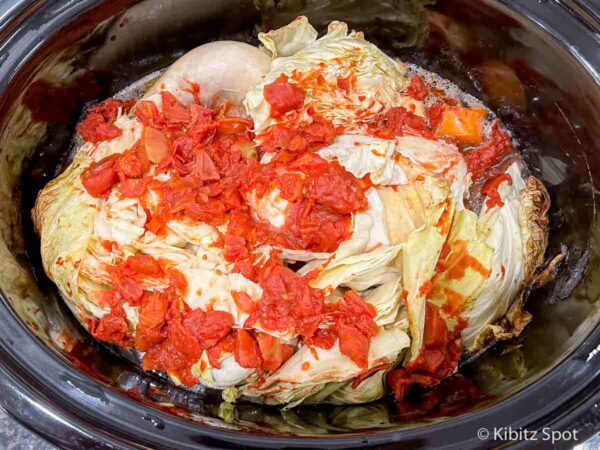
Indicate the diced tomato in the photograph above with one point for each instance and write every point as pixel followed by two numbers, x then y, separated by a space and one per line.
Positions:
pixel 99 178
pixel 324 338
pixel 271 351
pixel 233 125
pixel 398 121
pixel 177 280
pixel 338 190
pixel 134 187
pixel 112 327
pixel 98 124
pixel 205 168
pixel 354 345
pixel 434 114
pixel 151 318
pixel 279 137
pixel 244 302
pixel 435 334
pixel 142 265
pixel 208 327
pixel 283 96
pixel 417 88
pixel 147 113
pixel 155 143
pixel 247 352
pixel 152 311
pixel 319 133
pixel 465 125
pixel 224 346
pixel 482 158
pixel 174 113
pixel 130 165
pixel 288 302
pixel 490 189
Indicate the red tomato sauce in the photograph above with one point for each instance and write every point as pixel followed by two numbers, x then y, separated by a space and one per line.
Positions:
pixel 490 189
pixel 438 357
pixel 98 125
pixel 211 175
pixel 417 88
pixel 480 159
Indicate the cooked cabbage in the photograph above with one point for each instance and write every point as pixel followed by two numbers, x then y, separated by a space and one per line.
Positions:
pixel 413 241
pixel 308 372
pixel 380 80
pixel 519 237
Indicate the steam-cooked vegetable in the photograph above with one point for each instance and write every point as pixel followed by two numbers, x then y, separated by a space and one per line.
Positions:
pixel 518 235
pixel 294 224
pixel 310 371
pixel 372 79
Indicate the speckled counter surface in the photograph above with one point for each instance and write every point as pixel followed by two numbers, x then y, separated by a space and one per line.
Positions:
pixel 16 437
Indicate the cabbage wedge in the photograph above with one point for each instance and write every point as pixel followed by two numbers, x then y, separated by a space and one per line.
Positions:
pixel 311 370
pixel 380 80
pixel 519 237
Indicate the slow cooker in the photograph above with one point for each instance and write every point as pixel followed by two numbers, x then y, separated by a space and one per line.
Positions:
pixel 56 57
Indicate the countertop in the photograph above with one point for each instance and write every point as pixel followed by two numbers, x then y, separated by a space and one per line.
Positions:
pixel 16 437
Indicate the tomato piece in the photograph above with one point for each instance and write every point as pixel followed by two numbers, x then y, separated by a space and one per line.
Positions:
pixel 151 318
pixel 205 168
pixel 233 125
pixel 434 114
pixel 234 248
pixel 244 302
pixel 112 327
pixel 287 351
pixel 185 342
pixel 490 189
pixel 130 165
pixel 398 121
pixel 324 338
pixel 147 113
pixel 98 125
pixel 271 351
pixel 208 327
pixel 291 186
pixel 143 265
pixel 465 125
pixel 338 190
pixel 95 129
pixel 279 137
pixel 482 158
pixel 155 143
pixel 99 178
pixel 417 88
pixel 174 113
pixel 134 187
pixel 319 133
pixel 224 346
pixel 283 96
pixel 354 345
pixel 152 311
pixel 177 280
pixel 435 334
pixel 247 352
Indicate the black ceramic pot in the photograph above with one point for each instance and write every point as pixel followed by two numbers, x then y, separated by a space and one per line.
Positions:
pixel 56 56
